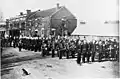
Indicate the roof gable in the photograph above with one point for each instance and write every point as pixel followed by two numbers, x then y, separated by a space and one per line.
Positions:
pixel 63 12
pixel 45 13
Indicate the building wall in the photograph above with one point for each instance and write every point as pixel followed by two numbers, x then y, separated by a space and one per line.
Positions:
pixel 45 23
pixel 41 24
pixel 56 22
pixel 70 26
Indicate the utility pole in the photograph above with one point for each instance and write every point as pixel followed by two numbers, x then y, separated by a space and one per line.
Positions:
pixel 118 5
pixel 0 44
pixel 1 16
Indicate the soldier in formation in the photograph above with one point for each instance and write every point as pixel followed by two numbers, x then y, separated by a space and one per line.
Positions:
pixel 67 47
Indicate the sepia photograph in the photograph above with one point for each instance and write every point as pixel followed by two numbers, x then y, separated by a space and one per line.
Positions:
pixel 59 39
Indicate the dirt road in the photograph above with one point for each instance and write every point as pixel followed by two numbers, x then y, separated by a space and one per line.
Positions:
pixel 14 61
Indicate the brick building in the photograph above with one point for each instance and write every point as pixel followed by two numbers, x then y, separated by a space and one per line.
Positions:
pixel 56 20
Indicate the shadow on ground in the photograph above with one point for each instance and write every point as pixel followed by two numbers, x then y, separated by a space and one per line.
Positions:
pixel 6 71
pixel 7 55
pixel 20 59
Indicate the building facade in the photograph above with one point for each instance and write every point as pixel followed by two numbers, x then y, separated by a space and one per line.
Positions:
pixel 55 21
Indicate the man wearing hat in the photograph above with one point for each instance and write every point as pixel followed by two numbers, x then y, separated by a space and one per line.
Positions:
pixel 93 49
pixel 114 51
pixel 53 47
pixel 100 51
pixel 67 49
pixel 84 48
pixel 79 52
pixel 89 51
pixel 60 49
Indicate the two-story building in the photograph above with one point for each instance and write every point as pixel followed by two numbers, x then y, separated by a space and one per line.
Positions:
pixel 58 20
pixel 16 24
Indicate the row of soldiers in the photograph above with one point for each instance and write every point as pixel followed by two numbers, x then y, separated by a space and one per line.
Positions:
pixel 46 45
pixel 37 44
pixel 84 50
pixel 102 49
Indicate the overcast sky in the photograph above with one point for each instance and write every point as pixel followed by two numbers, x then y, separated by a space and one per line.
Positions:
pixel 87 10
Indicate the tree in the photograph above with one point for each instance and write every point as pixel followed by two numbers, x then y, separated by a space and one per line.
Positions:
pixel 1 15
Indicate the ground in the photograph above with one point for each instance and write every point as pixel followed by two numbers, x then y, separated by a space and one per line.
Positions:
pixel 14 61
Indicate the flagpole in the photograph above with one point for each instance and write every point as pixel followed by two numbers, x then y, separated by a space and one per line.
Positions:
pixel 118 18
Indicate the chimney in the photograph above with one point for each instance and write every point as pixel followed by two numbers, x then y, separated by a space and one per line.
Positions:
pixel 21 13
pixel 39 10
pixel 28 11
pixel 58 5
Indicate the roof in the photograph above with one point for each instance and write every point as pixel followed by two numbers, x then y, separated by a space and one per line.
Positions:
pixel 97 29
pixel 43 13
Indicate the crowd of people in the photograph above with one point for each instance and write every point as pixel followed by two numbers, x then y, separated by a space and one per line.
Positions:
pixel 84 50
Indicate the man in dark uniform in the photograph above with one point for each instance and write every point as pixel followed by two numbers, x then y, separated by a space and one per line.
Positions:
pixel 10 40
pixel 79 52
pixel 107 50
pixel 40 44
pixel 36 45
pixel 44 48
pixel 67 49
pixel 1 44
pixel 84 50
pixel 53 47
pixel 100 51
pixel 29 41
pixel 17 41
pixel 60 49
pixel 57 46
pixel 25 43
pixel 89 51
pixel 117 56
pixel 114 51
pixel 93 50
pixel 103 48
pixel 32 44
pixel 49 47
pixel 72 48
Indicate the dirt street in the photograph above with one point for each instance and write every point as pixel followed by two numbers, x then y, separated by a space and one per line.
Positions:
pixel 14 61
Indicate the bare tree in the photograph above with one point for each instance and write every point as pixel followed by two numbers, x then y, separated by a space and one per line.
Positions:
pixel 1 15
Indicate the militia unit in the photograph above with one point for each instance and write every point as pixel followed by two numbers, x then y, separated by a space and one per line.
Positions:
pixel 85 51
pixel 49 31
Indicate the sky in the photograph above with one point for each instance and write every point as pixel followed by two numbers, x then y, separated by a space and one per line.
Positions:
pixel 93 12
